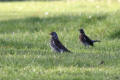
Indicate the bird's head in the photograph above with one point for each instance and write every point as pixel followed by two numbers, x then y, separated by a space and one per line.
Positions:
pixel 81 31
pixel 54 35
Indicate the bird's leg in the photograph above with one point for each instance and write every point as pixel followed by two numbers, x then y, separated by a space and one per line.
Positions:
pixel 86 46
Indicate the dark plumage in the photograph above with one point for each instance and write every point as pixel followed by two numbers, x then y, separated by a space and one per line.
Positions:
pixel 102 62
pixel 85 39
pixel 56 45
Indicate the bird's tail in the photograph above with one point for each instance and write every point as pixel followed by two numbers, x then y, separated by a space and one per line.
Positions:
pixel 96 41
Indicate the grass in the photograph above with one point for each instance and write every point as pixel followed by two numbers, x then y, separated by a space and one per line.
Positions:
pixel 24 40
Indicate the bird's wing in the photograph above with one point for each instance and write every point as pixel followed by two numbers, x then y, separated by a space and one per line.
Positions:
pixel 60 45
pixel 54 45
pixel 87 39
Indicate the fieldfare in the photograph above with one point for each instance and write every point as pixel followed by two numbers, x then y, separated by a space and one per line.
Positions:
pixel 56 45
pixel 85 39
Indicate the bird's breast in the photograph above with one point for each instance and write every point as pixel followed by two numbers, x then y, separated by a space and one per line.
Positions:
pixel 81 37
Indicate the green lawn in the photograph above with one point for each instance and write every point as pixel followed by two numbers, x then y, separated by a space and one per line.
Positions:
pixel 25 53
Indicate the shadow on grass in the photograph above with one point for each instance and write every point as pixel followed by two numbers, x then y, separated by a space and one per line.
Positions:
pixel 34 24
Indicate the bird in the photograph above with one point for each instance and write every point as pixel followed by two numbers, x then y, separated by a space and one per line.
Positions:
pixel 102 62
pixel 56 45
pixel 85 39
